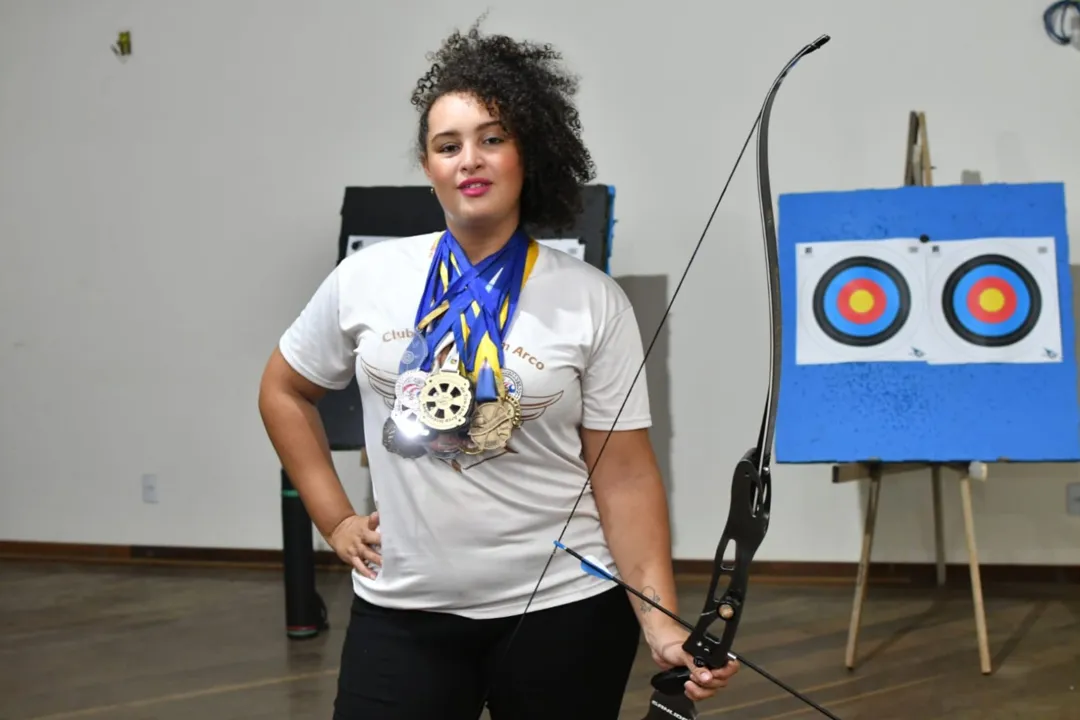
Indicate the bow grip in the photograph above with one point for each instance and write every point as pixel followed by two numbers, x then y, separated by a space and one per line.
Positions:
pixel 673 681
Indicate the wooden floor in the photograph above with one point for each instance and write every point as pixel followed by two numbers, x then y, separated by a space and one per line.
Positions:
pixel 207 644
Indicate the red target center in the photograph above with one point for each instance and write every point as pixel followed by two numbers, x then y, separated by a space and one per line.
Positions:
pixel 991 300
pixel 861 301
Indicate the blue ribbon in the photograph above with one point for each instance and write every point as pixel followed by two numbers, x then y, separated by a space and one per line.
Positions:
pixel 491 282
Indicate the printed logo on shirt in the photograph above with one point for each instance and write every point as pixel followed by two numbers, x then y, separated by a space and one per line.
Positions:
pixel 400 334
pixel 527 357
pixel 519 351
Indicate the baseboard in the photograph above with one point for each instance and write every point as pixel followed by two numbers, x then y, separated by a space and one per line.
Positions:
pixel 155 555
pixel 914 574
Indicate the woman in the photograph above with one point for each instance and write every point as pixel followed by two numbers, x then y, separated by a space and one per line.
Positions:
pixel 492 368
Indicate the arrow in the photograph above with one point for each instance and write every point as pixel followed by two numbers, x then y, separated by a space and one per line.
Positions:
pixel 594 567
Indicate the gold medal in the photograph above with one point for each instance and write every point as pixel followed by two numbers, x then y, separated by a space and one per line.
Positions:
pixel 492 425
pixel 445 401
pixel 514 409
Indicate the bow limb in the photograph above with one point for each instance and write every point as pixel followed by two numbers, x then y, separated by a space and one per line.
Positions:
pixel 772 259
pixel 748 515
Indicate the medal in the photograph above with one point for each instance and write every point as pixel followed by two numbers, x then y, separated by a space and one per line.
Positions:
pixel 408 423
pixel 445 446
pixel 469 447
pixel 470 404
pixel 407 388
pixel 514 404
pixel 445 401
pixel 414 354
pixel 388 431
pixel 512 383
pixel 404 434
pixel 401 443
pixel 491 425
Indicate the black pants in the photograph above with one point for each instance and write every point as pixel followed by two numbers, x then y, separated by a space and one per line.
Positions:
pixel 565 663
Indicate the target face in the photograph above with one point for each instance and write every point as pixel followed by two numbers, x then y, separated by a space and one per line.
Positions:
pixel 992 301
pixel 862 301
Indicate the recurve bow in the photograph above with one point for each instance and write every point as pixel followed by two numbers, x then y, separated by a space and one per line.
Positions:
pixel 751 482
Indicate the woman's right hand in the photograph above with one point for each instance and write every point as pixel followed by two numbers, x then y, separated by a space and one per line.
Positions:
pixel 356 540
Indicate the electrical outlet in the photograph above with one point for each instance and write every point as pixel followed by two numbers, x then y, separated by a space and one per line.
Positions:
pixel 1072 498
pixel 149 488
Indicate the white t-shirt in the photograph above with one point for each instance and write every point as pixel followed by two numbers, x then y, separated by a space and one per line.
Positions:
pixel 471 536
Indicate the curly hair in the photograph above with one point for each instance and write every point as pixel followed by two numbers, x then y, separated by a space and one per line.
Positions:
pixel 522 85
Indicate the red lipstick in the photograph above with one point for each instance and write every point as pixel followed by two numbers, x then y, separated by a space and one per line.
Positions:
pixel 474 186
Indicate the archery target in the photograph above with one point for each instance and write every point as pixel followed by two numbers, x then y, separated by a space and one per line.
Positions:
pixel 995 300
pixel 860 301
pixel 991 300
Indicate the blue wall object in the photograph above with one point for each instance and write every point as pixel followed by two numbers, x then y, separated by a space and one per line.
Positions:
pixel 910 409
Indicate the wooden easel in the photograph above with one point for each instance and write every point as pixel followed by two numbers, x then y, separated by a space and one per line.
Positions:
pixel 917 168
pixel 875 472
pixel 917 171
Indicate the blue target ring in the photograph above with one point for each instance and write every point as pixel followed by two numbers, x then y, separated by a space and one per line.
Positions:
pixel 991 301
pixel 862 301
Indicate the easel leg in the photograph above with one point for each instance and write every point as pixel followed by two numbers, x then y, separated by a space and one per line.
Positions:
pixel 976 581
pixel 939 524
pixel 864 565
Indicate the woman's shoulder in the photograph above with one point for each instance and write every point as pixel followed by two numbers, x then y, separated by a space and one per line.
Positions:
pixel 377 254
pixel 576 280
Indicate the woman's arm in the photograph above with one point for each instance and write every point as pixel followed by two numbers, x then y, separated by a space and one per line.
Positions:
pixel 633 510
pixel 317 353
pixel 629 490
pixel 287 404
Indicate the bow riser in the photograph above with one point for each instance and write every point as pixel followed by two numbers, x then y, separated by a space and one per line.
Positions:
pixel 747 524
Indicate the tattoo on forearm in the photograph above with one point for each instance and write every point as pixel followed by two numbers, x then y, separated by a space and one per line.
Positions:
pixel 650 593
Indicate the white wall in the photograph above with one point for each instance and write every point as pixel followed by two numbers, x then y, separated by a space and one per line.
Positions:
pixel 163 219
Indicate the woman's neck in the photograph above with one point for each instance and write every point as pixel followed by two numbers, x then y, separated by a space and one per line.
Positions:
pixel 479 242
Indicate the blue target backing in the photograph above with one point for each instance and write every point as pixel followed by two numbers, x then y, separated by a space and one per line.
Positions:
pixel 922 411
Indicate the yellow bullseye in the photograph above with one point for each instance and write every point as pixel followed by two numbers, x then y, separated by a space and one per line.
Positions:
pixel 861 301
pixel 991 300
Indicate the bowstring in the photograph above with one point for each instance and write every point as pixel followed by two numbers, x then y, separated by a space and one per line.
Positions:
pixel 629 392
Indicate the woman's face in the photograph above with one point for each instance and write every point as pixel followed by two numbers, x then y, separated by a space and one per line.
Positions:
pixel 473 164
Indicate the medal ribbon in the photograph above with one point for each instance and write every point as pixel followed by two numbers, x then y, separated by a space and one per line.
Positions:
pixel 476 303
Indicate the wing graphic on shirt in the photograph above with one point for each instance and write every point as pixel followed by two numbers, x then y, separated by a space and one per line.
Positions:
pixel 533 407
pixel 382 382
